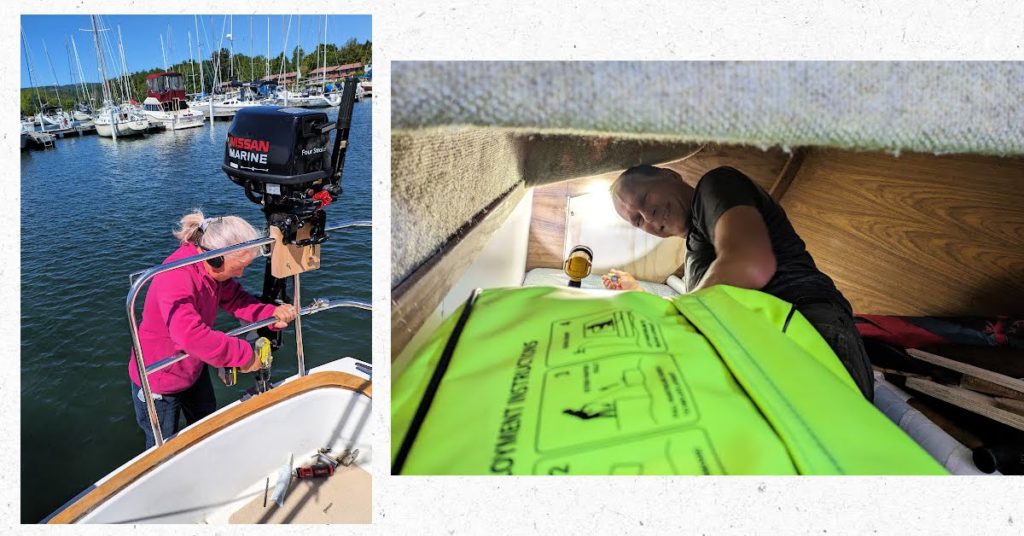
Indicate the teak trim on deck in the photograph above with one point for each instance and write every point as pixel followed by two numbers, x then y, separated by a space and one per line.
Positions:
pixel 194 434
pixel 415 298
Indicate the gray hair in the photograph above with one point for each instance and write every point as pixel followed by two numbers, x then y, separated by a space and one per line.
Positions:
pixel 215 233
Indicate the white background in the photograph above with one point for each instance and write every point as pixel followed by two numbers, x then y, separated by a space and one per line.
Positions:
pixel 595 30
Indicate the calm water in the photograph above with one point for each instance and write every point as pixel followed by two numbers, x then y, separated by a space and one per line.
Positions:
pixel 93 211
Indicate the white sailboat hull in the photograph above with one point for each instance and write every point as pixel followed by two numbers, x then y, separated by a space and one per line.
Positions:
pixel 304 102
pixel 176 121
pixel 127 128
pixel 215 469
pixel 230 109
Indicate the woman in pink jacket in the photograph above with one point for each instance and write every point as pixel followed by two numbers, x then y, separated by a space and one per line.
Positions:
pixel 180 310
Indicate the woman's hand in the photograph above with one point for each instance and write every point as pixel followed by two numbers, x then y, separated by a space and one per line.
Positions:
pixel 284 314
pixel 253 366
pixel 619 280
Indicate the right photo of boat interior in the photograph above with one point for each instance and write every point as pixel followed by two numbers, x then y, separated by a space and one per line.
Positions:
pixel 724 268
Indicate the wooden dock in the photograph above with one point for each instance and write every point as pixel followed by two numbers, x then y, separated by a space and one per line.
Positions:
pixel 40 140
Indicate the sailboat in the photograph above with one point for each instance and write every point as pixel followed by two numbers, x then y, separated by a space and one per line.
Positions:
pixel 113 121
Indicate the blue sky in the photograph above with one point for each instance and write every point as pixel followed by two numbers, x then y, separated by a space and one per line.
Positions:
pixel 141 37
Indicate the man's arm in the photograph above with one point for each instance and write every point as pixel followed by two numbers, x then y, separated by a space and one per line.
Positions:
pixel 743 251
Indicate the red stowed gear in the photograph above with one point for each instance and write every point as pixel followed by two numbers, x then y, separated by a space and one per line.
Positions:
pixel 324 198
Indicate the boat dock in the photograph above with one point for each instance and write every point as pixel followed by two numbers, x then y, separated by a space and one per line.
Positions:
pixel 43 140
pixel 39 140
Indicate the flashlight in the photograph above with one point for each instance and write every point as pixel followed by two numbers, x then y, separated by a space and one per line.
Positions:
pixel 577 265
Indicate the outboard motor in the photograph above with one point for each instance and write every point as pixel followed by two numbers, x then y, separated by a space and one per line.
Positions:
pixel 285 160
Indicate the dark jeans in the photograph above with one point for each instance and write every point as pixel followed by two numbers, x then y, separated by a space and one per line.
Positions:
pixel 194 403
pixel 836 326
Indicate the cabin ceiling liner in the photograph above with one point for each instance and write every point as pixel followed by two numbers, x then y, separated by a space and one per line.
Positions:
pixel 933 107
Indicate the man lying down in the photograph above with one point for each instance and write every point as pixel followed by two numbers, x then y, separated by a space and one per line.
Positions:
pixel 736 234
pixel 725 379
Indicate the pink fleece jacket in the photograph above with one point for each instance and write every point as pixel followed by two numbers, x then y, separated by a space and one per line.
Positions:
pixel 181 307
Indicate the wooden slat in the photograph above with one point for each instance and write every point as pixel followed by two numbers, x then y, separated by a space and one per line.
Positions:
pixel 1010 404
pixel 971 401
pixel 192 435
pixel 964 368
pixel 915 235
pixel 982 386
pixel 415 298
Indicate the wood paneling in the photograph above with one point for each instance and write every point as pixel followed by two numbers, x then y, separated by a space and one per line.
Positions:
pixel 547 228
pixel 915 235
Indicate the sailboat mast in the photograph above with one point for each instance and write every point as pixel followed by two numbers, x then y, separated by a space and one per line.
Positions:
pixel 323 73
pixel 31 70
pixel 124 67
pixel 199 43
pixel 71 69
pixel 231 52
pixel 298 54
pixel 268 48
pixel 103 77
pixel 100 63
pixel 192 62
pixel 162 51
pixel 56 87
pixel 81 75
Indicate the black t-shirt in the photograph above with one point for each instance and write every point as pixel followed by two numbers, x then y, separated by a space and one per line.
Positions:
pixel 796 280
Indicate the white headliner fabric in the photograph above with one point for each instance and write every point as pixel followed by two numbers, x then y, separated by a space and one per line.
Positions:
pixel 938 107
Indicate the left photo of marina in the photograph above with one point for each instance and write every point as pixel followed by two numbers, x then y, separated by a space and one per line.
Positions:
pixel 196 268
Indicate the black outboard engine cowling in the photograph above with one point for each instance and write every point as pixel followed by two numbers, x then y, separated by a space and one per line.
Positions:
pixel 282 157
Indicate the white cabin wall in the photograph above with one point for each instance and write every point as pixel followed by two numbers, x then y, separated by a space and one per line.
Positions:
pixel 501 263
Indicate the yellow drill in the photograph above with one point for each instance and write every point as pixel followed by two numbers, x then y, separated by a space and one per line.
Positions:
pixel 229 375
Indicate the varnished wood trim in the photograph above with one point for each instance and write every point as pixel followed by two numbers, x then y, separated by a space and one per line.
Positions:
pixel 416 297
pixel 788 173
pixel 195 434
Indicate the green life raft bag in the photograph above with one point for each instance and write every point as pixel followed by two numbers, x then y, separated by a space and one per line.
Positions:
pixel 550 381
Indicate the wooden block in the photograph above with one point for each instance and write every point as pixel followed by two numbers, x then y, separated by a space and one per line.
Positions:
pixel 1010 404
pixel 968 400
pixel 989 388
pixel 971 370
pixel 288 260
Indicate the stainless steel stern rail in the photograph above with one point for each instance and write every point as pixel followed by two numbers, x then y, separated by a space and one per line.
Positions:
pixel 146 276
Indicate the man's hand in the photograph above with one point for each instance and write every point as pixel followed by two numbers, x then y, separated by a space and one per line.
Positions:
pixel 284 313
pixel 619 280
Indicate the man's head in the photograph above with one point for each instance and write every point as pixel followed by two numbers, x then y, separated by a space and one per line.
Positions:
pixel 654 200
